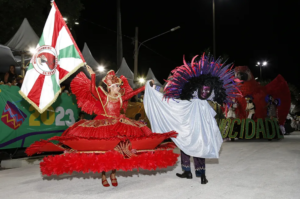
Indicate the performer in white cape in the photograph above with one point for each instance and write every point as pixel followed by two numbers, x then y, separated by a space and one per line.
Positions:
pixel 183 107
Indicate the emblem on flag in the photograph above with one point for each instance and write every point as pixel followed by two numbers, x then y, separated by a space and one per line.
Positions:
pixel 45 60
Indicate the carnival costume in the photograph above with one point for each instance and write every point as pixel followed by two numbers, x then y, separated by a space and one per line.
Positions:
pixel 231 109
pixel 250 108
pixel 110 141
pixel 272 105
pixel 187 111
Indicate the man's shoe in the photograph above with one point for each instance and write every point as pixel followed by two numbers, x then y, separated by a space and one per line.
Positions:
pixel 203 179
pixel 185 174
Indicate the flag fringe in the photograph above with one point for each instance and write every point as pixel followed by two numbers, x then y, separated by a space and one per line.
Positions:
pixel 35 106
pixel 71 72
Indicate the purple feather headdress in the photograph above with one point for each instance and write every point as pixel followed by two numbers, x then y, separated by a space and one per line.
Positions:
pixel 182 83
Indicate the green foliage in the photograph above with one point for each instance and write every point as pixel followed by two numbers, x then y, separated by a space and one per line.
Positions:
pixel 13 12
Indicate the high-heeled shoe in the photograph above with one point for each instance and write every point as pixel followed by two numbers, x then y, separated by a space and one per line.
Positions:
pixel 203 179
pixel 105 184
pixel 114 181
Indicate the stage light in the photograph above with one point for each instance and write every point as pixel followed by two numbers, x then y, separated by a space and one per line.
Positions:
pixel 101 68
pixel 142 80
pixel 32 50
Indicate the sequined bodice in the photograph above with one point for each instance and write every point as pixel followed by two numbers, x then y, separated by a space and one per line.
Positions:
pixel 113 107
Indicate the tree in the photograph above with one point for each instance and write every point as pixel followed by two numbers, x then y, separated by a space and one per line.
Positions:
pixel 13 12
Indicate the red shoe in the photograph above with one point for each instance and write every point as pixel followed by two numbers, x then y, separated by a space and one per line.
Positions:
pixel 114 181
pixel 105 183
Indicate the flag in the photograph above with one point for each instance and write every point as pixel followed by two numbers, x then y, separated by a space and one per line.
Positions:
pixel 56 58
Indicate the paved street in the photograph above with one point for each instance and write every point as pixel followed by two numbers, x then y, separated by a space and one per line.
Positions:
pixel 246 169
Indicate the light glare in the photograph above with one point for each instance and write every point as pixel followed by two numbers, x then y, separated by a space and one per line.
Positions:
pixel 100 68
pixel 32 50
pixel 141 80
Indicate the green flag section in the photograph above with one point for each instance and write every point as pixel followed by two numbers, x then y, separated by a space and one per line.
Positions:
pixel 249 129
pixel 21 124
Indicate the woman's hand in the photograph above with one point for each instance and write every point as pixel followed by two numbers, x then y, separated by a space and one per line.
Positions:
pixel 90 70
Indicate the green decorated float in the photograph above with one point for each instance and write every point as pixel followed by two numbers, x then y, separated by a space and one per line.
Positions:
pixel 21 124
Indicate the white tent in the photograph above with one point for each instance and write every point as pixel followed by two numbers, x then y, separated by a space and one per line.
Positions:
pixel 7 59
pixel 90 60
pixel 125 71
pixel 24 39
pixel 166 79
pixel 150 75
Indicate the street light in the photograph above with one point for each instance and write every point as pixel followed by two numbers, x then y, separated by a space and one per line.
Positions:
pixel 172 30
pixel 264 63
pixel 137 48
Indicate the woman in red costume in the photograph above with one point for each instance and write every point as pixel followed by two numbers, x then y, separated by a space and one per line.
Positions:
pixel 111 97
pixel 109 125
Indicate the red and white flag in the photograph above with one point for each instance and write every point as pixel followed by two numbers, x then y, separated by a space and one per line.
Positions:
pixel 57 57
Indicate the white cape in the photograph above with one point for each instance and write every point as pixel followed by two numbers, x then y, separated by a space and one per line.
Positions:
pixel 198 132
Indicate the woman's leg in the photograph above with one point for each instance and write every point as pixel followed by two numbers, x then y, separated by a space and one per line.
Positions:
pixel 113 178
pixel 104 181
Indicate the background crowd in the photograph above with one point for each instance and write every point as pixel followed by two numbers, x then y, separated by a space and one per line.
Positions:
pixel 11 77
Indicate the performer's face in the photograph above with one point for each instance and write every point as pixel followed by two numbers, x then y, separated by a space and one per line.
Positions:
pixel 205 92
pixel 115 88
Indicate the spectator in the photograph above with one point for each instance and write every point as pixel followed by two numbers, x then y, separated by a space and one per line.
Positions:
pixel 11 75
pixel 20 81
pixel 141 98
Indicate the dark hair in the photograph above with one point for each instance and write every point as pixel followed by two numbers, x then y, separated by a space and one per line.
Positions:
pixel 104 86
pixel 81 113
pixel 137 116
pixel 204 80
pixel 14 68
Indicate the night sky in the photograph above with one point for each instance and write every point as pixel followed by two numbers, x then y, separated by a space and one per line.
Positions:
pixel 246 31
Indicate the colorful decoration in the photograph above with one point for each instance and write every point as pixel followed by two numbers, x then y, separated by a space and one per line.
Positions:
pixel 12 116
pixel 208 72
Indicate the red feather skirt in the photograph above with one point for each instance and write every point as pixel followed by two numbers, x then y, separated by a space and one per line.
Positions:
pixel 106 143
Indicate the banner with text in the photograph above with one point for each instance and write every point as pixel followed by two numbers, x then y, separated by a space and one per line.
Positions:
pixel 21 124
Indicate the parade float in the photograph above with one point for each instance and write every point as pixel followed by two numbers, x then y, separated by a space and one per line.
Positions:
pixel 260 112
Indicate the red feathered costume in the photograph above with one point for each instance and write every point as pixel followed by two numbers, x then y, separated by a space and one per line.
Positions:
pixel 278 88
pixel 111 140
